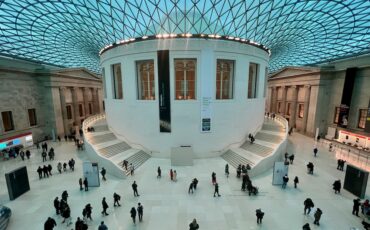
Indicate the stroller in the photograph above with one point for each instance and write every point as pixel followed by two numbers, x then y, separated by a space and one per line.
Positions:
pixel 252 189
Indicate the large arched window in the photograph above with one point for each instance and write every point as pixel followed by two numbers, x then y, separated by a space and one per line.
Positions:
pixel 185 79
pixel 224 79
pixel 145 80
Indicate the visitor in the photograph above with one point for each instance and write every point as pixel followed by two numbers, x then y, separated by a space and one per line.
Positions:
pixel 140 211
pixel 337 186
pixel 59 167
pixel 80 183
pixel 22 155
pixel 43 154
pixel 88 210
pixel 132 169
pixel 195 181
pixel 317 216
pixel 133 214
pixel 28 154
pixel 159 172
pixel 50 224
pixel 356 206
pixel 227 170
pixel 134 187
pixel 57 205
pixel 191 187
pixel 102 226
pixel 213 176
pixel 306 227
pixel 285 181
pixel 216 190
pixel 308 204
pixel 259 215
pixel 296 181
pixel 39 171
pixel 291 159
pixel 174 175
pixel 315 150
pixel 86 184
pixel 171 174
pixel 103 172
pixel 105 207
pixel 116 199
pixel 194 225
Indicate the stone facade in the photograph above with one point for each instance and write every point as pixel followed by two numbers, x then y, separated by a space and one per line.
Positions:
pixel 26 85
pixel 313 93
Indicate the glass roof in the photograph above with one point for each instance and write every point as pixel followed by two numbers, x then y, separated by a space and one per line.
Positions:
pixel 71 33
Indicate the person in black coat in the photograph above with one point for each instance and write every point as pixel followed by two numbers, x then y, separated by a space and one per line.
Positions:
pixel 103 172
pixel 22 155
pixel 105 207
pixel 216 190
pixel 39 171
pixel 337 186
pixel 140 211
pixel 308 204
pixel 195 183
pixel 49 169
pixel 259 215
pixel 88 210
pixel 46 171
pixel 28 154
pixel 134 187
pixel 50 224
pixel 159 172
pixel 194 225
pixel 86 184
pixel 57 205
pixel 133 214
pixel 43 154
pixel 356 206
pixel 285 181
pixel 296 181
pixel 116 199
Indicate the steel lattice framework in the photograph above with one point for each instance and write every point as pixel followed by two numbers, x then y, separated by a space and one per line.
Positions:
pixel 71 32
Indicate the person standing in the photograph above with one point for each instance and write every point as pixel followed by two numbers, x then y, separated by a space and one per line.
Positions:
pixel 134 187
pixel 28 154
pixel 227 170
pixel 315 150
pixel 306 227
pixel 45 171
pixel 43 154
pixel 116 199
pixel 39 171
pixel 216 190
pixel 308 204
pixel 50 224
pixel 193 225
pixel 57 205
pixel 66 214
pixel 102 226
pixel 174 175
pixel 171 174
pixel 259 215
pixel 317 216
pixel 59 167
pixel 132 169
pixel 195 183
pixel 105 207
pixel 191 186
pixel 337 186
pixel 285 181
pixel 80 183
pixel 159 172
pixel 356 206
pixel 291 159
pixel 86 184
pixel 296 181
pixel 140 211
pixel 133 214
pixel 286 156
pixel 22 155
pixel 49 169
pixel 79 224
pixel 103 172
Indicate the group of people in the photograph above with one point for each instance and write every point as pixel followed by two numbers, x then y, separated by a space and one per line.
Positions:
pixel 71 164
pixel 22 154
pixel 193 185
pixel 340 165
pixel 45 170
pixel 241 169
pixel 288 157
pixel 44 155
pixel 127 167
pixel 173 175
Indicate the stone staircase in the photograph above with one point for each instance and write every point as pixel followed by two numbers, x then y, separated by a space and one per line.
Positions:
pixel 109 147
pixel 270 135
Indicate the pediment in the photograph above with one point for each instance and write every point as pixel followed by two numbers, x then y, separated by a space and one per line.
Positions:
pixel 294 71
pixel 80 73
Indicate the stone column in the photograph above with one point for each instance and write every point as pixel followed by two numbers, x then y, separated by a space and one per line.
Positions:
pixel 76 113
pixel 307 94
pixel 86 100
pixel 96 107
pixel 293 114
pixel 62 91
pixel 283 100
pixel 274 99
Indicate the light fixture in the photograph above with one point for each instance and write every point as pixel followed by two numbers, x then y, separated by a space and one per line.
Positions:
pixel 144 37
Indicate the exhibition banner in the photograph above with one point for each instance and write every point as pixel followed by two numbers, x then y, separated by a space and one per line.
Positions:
pixel 163 63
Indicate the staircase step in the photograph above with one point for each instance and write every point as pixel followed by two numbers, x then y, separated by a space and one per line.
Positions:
pixel 258 149
pixel 235 159
pixel 270 127
pixel 102 138
pixel 112 150
pixel 268 137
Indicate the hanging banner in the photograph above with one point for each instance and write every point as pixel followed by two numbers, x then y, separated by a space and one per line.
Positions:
pixel 163 63
pixel 208 75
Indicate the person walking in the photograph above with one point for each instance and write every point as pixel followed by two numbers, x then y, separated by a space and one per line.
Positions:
pixel 159 172
pixel 216 190
pixel 133 214
pixel 57 205
pixel 195 183
pixel 140 211
pixel 49 169
pixel 132 169
pixel 171 174
pixel 103 172
pixel 86 184
pixel 308 204
pixel 80 183
pixel 227 170
pixel 317 216
pixel 134 187
pixel 22 155
pixel 337 186
pixel 291 159
pixel 105 207
pixel 193 225
pixel 356 206
pixel 66 214
pixel 315 150
pixel 45 170
pixel 296 181
pixel 259 215
pixel 88 210
pixel 116 199
pixel 102 226
pixel 79 224
pixel 191 187
pixel 285 181
pixel 213 176
pixel 306 227
pixel 286 156
pixel 50 224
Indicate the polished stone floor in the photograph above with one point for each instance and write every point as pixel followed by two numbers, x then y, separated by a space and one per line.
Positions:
pixel 167 205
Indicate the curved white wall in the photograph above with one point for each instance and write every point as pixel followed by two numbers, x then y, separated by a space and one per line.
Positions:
pixel 138 121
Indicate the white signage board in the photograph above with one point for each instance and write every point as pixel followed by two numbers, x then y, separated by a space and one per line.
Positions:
pixel 91 172
pixel 280 169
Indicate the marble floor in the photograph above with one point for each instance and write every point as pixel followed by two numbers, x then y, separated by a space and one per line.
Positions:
pixel 167 205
